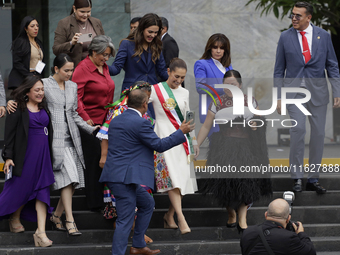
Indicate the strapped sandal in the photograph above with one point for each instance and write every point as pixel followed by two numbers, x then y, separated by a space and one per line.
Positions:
pixel 76 232
pixel 57 225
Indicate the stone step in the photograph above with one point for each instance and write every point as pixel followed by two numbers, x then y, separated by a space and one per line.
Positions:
pixel 198 200
pixel 157 234
pixel 279 183
pixel 201 217
pixel 325 245
pixel 284 182
pixel 305 198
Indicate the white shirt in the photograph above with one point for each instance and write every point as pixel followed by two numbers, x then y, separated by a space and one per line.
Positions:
pixel 163 35
pixel 219 65
pixel 139 113
pixel 309 36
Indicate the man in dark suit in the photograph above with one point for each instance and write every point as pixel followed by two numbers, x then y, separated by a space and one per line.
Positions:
pixel 129 164
pixel 170 48
pixel 303 54
pixel 279 239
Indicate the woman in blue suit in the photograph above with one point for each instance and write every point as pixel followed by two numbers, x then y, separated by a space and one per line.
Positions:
pixel 210 69
pixel 140 54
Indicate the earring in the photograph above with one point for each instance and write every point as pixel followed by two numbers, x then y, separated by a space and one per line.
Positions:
pixel 56 72
pixel 26 98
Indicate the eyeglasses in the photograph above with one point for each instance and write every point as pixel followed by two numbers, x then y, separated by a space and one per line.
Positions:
pixel 297 16
pixel 106 55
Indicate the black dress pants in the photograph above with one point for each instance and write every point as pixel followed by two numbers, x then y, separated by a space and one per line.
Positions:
pixel 92 153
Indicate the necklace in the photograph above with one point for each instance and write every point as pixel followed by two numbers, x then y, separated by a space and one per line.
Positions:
pixel 81 25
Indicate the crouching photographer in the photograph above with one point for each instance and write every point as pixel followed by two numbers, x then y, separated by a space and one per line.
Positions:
pixel 272 237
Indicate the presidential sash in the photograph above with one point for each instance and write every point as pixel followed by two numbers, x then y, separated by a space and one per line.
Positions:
pixel 171 109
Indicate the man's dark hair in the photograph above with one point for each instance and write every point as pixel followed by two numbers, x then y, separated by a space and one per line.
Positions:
pixel 165 22
pixel 134 20
pixel 137 98
pixel 308 6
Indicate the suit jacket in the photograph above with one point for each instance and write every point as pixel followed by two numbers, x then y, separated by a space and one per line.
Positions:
pixel 206 71
pixel 21 62
pixel 66 29
pixel 290 66
pixel 131 150
pixel 137 69
pixel 16 136
pixel 170 49
pixel 280 240
pixel 54 100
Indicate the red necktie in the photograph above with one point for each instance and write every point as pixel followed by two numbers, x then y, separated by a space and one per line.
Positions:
pixel 305 47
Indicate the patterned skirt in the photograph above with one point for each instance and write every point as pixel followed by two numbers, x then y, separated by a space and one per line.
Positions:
pixel 72 171
pixel 163 181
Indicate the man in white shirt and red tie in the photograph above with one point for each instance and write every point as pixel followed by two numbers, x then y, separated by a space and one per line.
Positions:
pixel 303 54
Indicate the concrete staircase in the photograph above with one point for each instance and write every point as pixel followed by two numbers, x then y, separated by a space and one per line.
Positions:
pixel 320 215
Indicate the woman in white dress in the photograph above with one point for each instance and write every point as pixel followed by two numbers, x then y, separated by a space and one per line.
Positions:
pixel 174 168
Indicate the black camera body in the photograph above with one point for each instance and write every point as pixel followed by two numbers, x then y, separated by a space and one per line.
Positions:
pixel 290 225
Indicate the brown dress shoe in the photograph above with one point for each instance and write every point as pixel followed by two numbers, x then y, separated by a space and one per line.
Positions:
pixel 143 251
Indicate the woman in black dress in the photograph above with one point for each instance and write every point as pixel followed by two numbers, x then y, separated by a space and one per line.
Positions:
pixel 237 146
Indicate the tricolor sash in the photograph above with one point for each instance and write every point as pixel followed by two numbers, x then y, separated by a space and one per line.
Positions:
pixel 171 109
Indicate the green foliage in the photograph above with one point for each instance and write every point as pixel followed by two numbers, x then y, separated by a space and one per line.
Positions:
pixel 326 12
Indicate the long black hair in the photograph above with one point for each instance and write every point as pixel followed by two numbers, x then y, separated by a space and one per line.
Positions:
pixel 21 44
pixel 19 94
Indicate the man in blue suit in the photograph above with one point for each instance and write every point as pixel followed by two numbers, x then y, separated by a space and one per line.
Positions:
pixel 129 164
pixel 303 54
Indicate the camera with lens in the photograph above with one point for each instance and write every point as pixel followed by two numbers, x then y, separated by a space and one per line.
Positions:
pixel 289 196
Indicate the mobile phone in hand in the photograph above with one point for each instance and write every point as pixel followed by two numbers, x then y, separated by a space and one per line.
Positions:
pixel 85 38
pixel 9 173
pixel 190 115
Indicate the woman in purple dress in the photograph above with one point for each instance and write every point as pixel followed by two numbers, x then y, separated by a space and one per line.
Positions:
pixel 28 137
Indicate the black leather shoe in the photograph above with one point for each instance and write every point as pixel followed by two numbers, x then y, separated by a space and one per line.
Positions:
pixel 240 230
pixel 315 186
pixel 231 225
pixel 297 185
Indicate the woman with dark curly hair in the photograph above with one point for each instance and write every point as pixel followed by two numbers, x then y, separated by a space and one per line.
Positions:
pixel 28 141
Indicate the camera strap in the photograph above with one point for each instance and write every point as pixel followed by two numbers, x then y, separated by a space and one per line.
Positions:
pixel 264 241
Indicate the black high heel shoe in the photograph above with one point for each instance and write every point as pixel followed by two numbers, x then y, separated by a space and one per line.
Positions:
pixel 57 225
pixel 231 225
pixel 240 230
pixel 76 232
